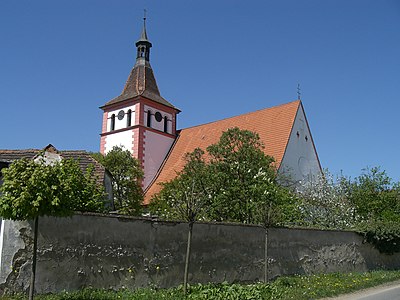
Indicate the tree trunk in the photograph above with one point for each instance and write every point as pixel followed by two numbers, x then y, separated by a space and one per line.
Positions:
pixel 266 256
pixel 33 270
pixel 187 258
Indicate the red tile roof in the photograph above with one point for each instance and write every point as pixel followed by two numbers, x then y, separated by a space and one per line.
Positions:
pixel 273 125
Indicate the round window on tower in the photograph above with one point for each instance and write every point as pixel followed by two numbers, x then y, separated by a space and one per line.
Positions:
pixel 158 116
pixel 121 115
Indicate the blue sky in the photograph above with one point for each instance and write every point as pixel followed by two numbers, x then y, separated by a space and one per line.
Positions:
pixel 61 60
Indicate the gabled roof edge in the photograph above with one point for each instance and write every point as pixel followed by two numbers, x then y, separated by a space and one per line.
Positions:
pixel 290 133
pixel 312 140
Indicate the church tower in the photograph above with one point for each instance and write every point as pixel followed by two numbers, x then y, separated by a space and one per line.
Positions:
pixel 139 119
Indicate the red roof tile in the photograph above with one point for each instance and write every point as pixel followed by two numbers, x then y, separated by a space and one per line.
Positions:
pixel 273 125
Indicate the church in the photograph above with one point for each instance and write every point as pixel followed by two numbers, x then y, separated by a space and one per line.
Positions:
pixel 143 122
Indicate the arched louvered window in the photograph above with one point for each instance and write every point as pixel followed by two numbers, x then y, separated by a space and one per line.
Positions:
pixel 129 118
pixel 112 125
pixel 149 118
pixel 166 124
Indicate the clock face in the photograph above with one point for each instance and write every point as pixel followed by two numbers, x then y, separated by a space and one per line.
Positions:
pixel 121 115
pixel 158 116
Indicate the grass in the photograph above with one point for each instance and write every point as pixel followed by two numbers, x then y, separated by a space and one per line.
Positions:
pixel 291 287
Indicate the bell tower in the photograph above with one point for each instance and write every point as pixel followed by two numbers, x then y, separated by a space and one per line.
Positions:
pixel 140 119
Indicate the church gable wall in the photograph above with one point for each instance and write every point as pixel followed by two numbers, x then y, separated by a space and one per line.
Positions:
pixel 300 161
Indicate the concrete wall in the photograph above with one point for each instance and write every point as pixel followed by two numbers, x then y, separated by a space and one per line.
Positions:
pixel 116 252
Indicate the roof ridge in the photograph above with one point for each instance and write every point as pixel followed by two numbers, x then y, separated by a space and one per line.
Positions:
pixel 248 113
pixel 21 150
pixel 74 151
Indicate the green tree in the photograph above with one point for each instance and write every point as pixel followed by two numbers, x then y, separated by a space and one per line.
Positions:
pixel 236 178
pixel 32 189
pixel 236 161
pixel 238 183
pixel 377 200
pixel 127 178
pixel 185 198
pixel 274 205
pixel 375 195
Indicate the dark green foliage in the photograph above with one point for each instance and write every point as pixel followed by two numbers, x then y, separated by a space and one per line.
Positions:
pixel 377 201
pixel 127 177
pixel 376 196
pixel 385 235
pixel 31 189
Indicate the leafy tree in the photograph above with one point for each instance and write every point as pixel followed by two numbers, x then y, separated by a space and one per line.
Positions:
pixel 377 200
pixel 236 162
pixel 325 202
pixel 127 178
pixel 274 205
pixel 238 183
pixel 375 195
pixel 185 198
pixel 31 189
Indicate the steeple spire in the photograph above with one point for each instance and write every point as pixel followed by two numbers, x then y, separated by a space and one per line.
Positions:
pixel 143 45
pixel 141 81
pixel 143 36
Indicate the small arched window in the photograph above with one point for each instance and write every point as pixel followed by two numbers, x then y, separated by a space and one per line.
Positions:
pixel 129 118
pixel 149 118
pixel 112 125
pixel 166 124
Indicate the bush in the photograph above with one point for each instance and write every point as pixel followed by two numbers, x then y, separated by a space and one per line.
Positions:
pixel 384 235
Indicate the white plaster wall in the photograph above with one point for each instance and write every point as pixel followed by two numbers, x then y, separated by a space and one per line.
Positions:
pixel 156 149
pixel 300 159
pixel 49 158
pixel 119 124
pixel 154 123
pixel 123 139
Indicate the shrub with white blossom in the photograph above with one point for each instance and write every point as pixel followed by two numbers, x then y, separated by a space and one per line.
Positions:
pixel 325 202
